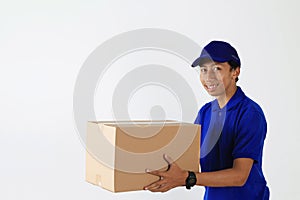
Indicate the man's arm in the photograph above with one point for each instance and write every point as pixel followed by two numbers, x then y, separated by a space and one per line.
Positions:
pixel 175 176
pixel 235 176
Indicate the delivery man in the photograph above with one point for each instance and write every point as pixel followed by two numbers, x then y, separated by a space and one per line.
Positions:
pixel 233 130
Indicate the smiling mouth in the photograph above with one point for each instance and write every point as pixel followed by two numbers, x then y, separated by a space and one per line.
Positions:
pixel 211 87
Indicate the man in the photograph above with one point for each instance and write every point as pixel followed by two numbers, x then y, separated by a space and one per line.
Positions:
pixel 233 129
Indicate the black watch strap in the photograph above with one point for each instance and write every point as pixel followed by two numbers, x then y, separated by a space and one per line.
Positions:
pixel 191 180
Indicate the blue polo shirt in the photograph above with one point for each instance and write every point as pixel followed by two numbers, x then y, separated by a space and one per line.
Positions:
pixel 238 130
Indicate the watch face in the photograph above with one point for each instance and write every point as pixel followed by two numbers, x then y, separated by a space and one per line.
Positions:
pixel 192 181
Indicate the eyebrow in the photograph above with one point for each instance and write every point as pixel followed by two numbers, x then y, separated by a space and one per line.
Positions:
pixel 215 63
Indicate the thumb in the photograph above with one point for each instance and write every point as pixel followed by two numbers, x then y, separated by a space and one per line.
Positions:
pixel 168 159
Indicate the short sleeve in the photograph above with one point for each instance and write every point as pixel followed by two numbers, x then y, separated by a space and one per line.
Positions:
pixel 197 120
pixel 251 132
pixel 202 113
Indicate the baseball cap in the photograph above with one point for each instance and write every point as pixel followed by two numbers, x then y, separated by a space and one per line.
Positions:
pixel 218 51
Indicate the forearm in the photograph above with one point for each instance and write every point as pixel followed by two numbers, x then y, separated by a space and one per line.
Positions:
pixel 222 178
pixel 235 176
pixel 175 176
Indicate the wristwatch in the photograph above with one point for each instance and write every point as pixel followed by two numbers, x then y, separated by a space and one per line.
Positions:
pixel 191 180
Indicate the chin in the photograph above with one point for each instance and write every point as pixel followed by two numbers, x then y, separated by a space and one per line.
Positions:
pixel 215 94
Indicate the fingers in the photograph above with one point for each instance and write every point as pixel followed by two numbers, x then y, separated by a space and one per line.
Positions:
pixel 162 188
pixel 166 181
pixel 159 186
pixel 155 172
pixel 155 186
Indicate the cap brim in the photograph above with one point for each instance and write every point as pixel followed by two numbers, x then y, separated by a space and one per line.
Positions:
pixel 196 62
pixel 200 60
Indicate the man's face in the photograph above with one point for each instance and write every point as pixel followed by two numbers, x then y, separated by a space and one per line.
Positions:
pixel 217 78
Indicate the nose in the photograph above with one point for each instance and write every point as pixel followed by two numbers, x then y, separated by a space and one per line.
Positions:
pixel 210 75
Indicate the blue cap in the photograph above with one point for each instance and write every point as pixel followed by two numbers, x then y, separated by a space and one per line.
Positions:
pixel 218 51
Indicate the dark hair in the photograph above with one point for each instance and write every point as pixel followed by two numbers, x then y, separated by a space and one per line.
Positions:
pixel 233 66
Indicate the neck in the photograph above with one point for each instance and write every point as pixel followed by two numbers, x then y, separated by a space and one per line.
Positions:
pixel 223 99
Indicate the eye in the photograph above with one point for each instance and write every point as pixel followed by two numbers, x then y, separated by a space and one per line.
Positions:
pixel 203 70
pixel 216 68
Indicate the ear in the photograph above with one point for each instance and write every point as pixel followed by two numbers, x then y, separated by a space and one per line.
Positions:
pixel 236 73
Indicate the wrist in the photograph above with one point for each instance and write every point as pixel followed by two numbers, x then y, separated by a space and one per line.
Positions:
pixel 184 177
pixel 191 180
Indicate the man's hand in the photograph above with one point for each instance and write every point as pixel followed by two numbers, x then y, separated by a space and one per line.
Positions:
pixel 169 179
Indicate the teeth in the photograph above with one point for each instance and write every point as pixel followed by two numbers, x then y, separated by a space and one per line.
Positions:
pixel 211 86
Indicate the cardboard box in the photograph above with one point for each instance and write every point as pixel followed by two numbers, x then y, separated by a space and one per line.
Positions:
pixel 119 152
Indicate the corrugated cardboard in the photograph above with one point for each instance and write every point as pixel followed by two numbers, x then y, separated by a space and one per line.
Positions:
pixel 119 152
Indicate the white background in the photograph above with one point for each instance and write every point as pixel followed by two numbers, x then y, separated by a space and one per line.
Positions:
pixel 44 43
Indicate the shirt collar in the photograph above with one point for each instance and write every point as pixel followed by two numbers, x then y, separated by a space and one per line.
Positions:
pixel 234 100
